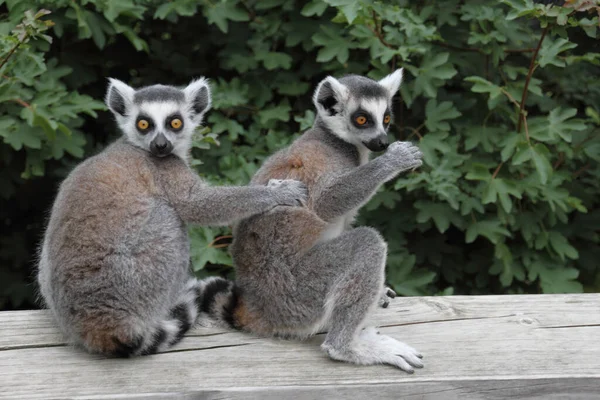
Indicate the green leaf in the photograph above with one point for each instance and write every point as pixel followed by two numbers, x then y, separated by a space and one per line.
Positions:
pixel 333 44
pixel 561 245
pixel 315 7
pixel 273 60
pixel 305 121
pixel 405 278
pixel 348 7
pixel 23 136
pixel 491 229
pixel 222 11
pixel 432 73
pixel 484 86
pixel 275 113
pixel 540 156
pixel 499 188
pixel 201 251
pixel 441 214
pixel 559 124
pixel 437 114
pixel 555 278
pixel 550 50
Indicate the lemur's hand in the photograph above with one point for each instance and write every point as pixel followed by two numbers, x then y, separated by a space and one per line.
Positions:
pixel 404 154
pixel 289 192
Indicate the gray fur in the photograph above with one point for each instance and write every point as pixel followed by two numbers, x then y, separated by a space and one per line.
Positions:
pixel 362 86
pixel 158 93
pixel 300 270
pixel 114 264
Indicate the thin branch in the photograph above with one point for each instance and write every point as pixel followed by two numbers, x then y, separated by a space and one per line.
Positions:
pixel 478 50
pixel 497 170
pixel 219 246
pixel 581 170
pixel 512 99
pixel 23 103
pixel 12 51
pixel 377 32
pixel 561 159
pixel 415 131
pixel 522 117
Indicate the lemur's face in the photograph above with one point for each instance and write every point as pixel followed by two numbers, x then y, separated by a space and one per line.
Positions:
pixel 358 109
pixel 159 119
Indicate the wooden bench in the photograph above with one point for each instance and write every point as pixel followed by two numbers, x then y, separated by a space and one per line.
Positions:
pixel 481 347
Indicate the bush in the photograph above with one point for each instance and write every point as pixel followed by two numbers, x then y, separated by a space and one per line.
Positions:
pixel 503 98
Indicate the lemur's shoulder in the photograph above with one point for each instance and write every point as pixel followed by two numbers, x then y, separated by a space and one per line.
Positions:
pixel 119 169
pixel 305 160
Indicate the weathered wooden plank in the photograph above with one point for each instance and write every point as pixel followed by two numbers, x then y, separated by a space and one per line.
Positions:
pixel 475 347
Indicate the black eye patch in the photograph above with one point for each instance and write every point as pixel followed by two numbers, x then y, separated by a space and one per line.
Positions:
pixel 174 122
pixel 362 119
pixel 144 124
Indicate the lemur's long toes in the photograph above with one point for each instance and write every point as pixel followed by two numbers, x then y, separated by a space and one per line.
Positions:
pixel 390 293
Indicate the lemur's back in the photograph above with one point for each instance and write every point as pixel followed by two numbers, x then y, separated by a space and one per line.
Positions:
pixel 108 220
pixel 314 159
pixel 109 191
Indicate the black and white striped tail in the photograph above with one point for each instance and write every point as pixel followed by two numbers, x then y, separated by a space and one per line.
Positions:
pixel 216 301
pixel 210 302
pixel 164 334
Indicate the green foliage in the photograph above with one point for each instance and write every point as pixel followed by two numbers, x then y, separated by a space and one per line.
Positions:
pixel 503 98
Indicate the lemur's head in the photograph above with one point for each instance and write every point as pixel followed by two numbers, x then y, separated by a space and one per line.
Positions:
pixel 159 119
pixel 358 109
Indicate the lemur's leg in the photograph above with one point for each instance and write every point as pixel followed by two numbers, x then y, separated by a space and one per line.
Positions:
pixel 354 264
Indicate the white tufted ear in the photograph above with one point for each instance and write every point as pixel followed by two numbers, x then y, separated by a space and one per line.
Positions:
pixel 392 82
pixel 197 93
pixel 329 96
pixel 119 97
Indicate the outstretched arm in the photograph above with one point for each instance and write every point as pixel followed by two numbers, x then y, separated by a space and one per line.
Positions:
pixel 353 189
pixel 196 202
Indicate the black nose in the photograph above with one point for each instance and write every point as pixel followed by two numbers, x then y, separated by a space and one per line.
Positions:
pixel 160 146
pixel 379 143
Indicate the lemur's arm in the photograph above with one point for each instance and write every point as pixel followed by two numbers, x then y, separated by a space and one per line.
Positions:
pixel 353 189
pixel 196 202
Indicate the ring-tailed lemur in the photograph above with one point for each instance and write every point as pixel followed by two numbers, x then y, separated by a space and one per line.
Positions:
pixel 300 270
pixel 114 264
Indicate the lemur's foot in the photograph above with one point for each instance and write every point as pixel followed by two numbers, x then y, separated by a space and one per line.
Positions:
pixel 370 348
pixel 386 295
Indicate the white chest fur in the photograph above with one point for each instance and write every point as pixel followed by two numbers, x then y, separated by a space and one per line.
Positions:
pixel 336 227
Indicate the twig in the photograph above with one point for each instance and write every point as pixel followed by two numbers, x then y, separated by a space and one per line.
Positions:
pixel 478 50
pixel 521 116
pixel 219 246
pixel 581 170
pixel 415 131
pixel 561 159
pixel 23 103
pixel 377 32
pixel 497 170
pixel 12 51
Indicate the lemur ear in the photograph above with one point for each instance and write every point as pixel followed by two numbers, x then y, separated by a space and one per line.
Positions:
pixel 330 95
pixel 392 82
pixel 197 93
pixel 119 96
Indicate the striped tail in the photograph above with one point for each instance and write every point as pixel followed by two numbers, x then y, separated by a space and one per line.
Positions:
pixel 217 300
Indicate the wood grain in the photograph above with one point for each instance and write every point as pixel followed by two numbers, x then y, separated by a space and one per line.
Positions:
pixel 480 347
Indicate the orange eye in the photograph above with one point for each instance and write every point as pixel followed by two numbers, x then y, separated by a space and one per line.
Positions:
pixel 143 124
pixel 361 120
pixel 387 119
pixel 176 123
